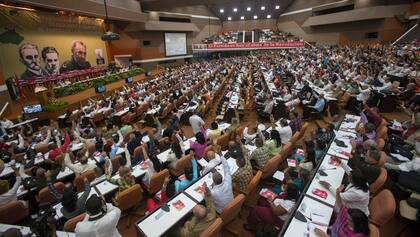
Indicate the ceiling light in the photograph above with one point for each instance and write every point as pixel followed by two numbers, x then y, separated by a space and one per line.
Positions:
pixel 263 8
pixel 235 9
pixel 255 17
pixel 277 7
pixel 222 10
pixel 248 9
pixel 242 17
pixel 268 16
pixel 229 18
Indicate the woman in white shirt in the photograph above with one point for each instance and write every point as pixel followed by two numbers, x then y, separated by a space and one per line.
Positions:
pixel 273 212
pixel 356 194
pixel 285 131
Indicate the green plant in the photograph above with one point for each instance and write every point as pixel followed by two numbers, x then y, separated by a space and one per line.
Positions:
pixel 53 105
pixel 103 80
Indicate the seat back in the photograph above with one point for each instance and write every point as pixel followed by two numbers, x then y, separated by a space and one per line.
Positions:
pixel 286 150
pixel 41 147
pixel 44 196
pixel 138 151
pixel 295 137
pixel 382 133
pixel 374 231
pixel 383 159
pixel 70 225
pixel 97 117
pixel 240 131
pixel 302 131
pixel 223 141
pixel 382 208
pixel 380 144
pixel 156 181
pixel 90 175
pixel 91 148
pixel 129 198
pixel 271 167
pixel 79 183
pixel 232 209
pixel 379 182
pixel 115 163
pixel 181 164
pixel 13 212
pixel 214 229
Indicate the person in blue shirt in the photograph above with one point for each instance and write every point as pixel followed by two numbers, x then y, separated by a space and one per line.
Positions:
pixel 318 107
pixel 190 174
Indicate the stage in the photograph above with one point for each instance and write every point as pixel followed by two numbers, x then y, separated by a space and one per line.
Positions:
pixel 73 101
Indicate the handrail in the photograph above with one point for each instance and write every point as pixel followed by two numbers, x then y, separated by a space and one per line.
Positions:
pixel 306 42
pixel 4 108
pixel 408 31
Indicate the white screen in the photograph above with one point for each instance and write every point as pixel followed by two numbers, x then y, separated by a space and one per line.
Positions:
pixel 175 44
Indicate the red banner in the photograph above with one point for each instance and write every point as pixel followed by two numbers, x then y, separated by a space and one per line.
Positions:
pixel 255 45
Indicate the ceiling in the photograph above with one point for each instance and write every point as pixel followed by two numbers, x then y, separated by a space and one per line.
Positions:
pixel 227 5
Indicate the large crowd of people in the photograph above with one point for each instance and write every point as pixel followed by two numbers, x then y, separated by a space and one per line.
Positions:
pixel 107 138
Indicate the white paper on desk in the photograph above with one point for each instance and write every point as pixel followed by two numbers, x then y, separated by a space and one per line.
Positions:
pixel 399 157
pixel 319 216
pixel 312 226
pixel 279 175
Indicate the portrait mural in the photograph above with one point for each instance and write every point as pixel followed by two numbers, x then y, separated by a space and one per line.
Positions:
pixel 29 56
pixel 41 43
pixel 51 61
pixel 78 58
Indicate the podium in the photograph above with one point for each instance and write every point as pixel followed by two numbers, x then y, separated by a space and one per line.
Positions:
pixel 43 94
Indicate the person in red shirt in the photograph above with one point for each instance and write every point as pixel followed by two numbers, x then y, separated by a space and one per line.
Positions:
pixel 166 192
pixel 55 150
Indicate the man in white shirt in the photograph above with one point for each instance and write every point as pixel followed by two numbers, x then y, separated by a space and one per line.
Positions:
pixel 221 190
pixel 196 123
pixel 285 131
pixel 213 161
pixel 101 219
pixel 80 167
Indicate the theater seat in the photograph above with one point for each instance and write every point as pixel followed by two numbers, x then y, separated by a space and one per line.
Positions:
pixel 382 159
pixel 180 165
pixel 156 182
pixel 223 141
pixel 41 147
pixel 374 231
pixel 286 150
pixel 380 144
pixel 271 167
pixel 213 230
pixel 70 225
pixel 128 201
pixel 295 137
pixel 44 196
pixel 382 133
pixel 382 208
pixel 91 149
pixel 13 212
pixel 115 163
pixel 376 186
pixel 232 209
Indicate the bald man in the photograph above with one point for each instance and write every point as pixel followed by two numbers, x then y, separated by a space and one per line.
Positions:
pixel 203 217
pixel 213 160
